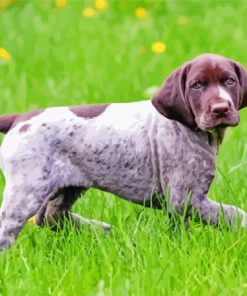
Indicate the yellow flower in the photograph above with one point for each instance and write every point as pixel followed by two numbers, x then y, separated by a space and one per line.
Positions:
pixel 101 4
pixel 61 3
pixel 4 54
pixel 182 20
pixel 158 47
pixel 88 12
pixel 32 220
pixel 141 13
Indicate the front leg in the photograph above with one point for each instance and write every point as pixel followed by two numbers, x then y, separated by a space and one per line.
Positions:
pixel 206 210
pixel 210 211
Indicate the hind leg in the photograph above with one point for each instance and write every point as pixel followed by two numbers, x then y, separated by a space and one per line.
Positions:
pixel 19 204
pixel 57 209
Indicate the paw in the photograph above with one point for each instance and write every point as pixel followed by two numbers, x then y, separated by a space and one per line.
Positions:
pixel 244 219
pixel 78 220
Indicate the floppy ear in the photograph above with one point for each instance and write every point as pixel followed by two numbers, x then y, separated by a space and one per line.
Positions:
pixel 242 77
pixel 170 100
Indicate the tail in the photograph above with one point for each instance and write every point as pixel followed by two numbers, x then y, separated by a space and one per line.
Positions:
pixel 6 121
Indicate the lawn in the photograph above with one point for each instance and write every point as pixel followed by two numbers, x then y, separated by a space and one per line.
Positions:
pixel 63 53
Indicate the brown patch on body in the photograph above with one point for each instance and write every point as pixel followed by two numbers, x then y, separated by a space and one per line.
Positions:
pixel 26 116
pixel 6 122
pixel 24 128
pixel 88 111
pixel 11 120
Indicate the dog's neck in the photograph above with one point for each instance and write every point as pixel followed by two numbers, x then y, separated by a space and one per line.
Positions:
pixel 216 136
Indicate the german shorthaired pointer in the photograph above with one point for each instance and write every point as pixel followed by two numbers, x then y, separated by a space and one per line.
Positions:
pixel 137 151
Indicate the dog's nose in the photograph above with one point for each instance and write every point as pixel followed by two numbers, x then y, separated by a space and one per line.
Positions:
pixel 220 107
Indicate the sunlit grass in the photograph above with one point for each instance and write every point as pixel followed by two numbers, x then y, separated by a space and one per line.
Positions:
pixel 61 53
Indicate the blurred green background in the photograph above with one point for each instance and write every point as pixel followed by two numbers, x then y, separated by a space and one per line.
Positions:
pixel 64 53
pixel 74 52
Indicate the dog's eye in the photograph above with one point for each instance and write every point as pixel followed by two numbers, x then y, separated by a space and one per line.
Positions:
pixel 229 81
pixel 197 85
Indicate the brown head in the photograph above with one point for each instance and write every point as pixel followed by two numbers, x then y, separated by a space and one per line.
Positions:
pixel 205 93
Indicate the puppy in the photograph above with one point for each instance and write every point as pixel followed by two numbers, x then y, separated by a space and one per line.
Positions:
pixel 137 150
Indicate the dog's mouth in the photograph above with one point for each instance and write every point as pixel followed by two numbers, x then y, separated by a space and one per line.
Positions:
pixel 208 122
pixel 222 125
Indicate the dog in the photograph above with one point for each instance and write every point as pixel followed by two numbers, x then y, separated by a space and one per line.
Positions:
pixel 135 150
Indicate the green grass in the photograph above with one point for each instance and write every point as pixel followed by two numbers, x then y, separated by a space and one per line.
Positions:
pixel 60 57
